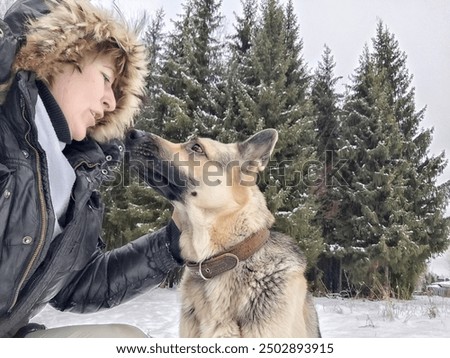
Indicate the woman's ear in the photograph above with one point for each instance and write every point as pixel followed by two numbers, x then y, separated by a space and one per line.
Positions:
pixel 258 148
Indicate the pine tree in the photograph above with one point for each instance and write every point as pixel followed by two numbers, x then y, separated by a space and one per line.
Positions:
pixel 172 115
pixel 190 100
pixel 208 66
pixel 240 120
pixel 326 104
pixel 269 63
pixel 326 109
pixel 281 103
pixel 297 77
pixel 154 39
pixel 428 228
pixel 383 237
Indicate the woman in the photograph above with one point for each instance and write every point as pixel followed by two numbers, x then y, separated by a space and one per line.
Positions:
pixel 74 85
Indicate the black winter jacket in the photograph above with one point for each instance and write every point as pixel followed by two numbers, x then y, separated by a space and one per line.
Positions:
pixel 71 272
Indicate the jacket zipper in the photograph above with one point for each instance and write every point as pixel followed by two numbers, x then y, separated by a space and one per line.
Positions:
pixel 79 164
pixel 43 206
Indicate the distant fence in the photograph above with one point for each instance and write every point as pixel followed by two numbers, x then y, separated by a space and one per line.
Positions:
pixel 439 289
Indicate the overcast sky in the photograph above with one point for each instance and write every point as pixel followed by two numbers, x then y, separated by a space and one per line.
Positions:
pixel 422 28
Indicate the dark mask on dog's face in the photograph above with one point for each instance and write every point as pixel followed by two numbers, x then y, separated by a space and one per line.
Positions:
pixel 216 174
pixel 156 171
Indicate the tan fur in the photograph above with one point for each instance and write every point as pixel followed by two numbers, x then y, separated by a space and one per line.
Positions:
pixel 71 30
pixel 263 296
pixel 266 296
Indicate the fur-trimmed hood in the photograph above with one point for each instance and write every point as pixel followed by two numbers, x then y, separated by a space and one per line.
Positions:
pixel 69 28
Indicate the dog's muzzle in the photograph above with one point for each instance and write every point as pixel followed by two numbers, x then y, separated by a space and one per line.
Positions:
pixel 157 172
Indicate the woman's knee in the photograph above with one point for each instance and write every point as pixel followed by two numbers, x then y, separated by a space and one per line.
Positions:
pixel 91 331
pixel 126 331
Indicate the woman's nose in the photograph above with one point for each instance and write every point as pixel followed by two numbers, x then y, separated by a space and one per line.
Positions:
pixel 109 101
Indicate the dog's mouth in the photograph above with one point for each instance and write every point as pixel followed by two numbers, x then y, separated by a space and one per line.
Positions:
pixel 163 177
pixel 158 173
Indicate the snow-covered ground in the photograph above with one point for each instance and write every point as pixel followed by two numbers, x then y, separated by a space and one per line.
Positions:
pixel 157 314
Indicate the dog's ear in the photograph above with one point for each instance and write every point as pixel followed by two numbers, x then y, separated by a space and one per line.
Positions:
pixel 258 148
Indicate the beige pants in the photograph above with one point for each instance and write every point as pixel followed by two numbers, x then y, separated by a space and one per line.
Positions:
pixel 90 331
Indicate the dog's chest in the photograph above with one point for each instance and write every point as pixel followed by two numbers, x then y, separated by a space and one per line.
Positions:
pixel 242 293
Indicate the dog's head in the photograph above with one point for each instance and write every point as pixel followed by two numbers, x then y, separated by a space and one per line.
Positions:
pixel 207 173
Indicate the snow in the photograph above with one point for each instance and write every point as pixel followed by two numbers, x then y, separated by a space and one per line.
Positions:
pixel 157 313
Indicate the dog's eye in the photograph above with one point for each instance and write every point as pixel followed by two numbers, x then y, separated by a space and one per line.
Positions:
pixel 197 148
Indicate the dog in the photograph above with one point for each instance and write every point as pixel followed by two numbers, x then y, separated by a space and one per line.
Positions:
pixel 241 279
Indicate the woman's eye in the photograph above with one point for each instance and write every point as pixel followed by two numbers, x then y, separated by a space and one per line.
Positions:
pixel 197 148
pixel 106 78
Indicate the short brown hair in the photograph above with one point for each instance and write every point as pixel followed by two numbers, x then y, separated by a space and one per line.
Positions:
pixel 71 31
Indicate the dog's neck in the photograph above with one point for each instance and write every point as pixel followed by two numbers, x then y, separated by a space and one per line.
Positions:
pixel 208 233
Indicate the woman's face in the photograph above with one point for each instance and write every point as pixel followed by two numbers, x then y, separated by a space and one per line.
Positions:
pixel 85 96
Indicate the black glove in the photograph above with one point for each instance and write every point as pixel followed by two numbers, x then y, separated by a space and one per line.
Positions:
pixel 173 234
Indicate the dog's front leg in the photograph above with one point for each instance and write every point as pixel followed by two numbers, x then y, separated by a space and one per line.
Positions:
pixel 189 326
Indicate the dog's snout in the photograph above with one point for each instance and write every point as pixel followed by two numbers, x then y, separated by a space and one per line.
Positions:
pixel 134 134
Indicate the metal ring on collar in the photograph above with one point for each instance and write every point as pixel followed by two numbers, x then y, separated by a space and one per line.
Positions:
pixel 201 273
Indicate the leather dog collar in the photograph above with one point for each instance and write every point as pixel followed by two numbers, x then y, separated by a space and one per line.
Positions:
pixel 228 260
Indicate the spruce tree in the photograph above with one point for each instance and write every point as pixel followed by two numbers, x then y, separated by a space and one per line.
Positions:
pixel 297 77
pixel 428 228
pixel 172 115
pixel 240 117
pixel 384 236
pixel 281 103
pixel 326 111
pixel 155 39
pixel 191 100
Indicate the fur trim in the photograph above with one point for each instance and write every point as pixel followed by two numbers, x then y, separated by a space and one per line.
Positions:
pixel 71 28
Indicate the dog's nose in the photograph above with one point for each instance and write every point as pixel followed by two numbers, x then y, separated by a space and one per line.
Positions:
pixel 134 134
